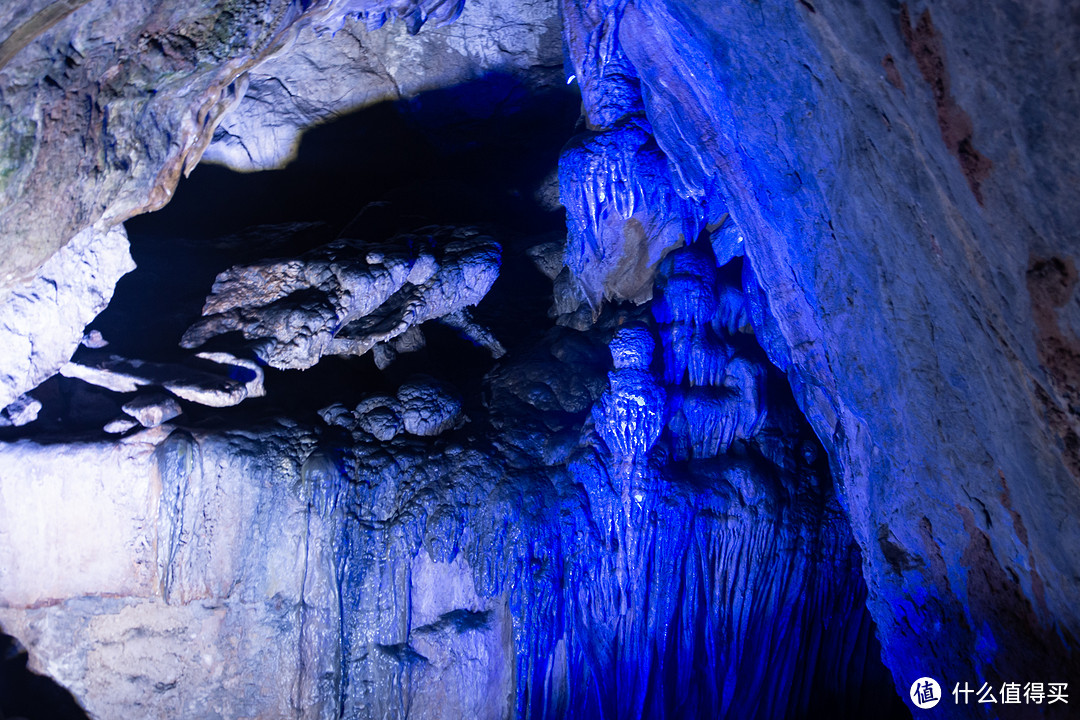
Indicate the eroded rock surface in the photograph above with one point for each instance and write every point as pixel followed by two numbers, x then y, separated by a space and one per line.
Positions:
pixel 564 563
pixel 350 296
pixel 878 199
pixel 334 68
pixel 41 322
pixel 239 379
pixel 896 173
pixel 115 101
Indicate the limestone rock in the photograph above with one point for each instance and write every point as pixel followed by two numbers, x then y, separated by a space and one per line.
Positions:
pixel 204 562
pixel 23 411
pixel 423 407
pixel 122 96
pixel 94 340
pixel 41 322
pixel 349 296
pixel 120 425
pixel 902 187
pixel 347 62
pixel 152 409
pixel 428 408
pixel 199 386
pixel 622 212
pixel 379 415
pixel 249 371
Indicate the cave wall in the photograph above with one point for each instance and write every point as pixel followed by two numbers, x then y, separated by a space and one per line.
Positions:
pixel 903 177
pixel 377 565
pixel 176 568
pixel 899 179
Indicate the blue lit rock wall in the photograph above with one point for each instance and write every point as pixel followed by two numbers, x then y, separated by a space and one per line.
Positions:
pixel 870 209
pixel 635 584
pixel 375 565
pixel 903 177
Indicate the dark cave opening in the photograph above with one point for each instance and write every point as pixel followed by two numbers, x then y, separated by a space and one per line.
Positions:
pixel 481 155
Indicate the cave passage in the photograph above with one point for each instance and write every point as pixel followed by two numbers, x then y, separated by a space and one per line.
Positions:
pixel 480 154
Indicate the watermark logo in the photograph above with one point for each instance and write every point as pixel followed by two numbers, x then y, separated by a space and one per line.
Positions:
pixel 925 693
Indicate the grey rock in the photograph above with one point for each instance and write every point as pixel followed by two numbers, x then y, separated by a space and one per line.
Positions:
pixel 206 388
pixel 346 62
pixel 380 416
pixel 152 409
pixel 383 354
pixel 210 567
pixel 120 425
pixel 256 377
pixel 41 322
pixel 94 340
pixel 160 77
pixel 548 258
pixel 109 376
pixel 349 296
pixel 23 411
pixel 428 408
pixel 124 96
pixel 339 415
pixel 461 320
pixel 409 341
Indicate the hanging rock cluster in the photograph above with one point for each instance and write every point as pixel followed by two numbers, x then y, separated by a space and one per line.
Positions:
pixel 351 297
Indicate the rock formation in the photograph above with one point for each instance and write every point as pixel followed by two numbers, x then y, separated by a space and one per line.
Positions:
pixel 893 218
pixel 777 418
pixel 350 297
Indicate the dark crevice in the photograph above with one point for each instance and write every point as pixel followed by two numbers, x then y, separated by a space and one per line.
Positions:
pixel 24 694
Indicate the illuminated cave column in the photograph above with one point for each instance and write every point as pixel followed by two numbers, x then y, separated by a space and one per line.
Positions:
pixel 630 414
pixel 712 362
pixel 629 418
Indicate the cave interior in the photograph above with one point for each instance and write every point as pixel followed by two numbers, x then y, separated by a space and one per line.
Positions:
pixel 488 400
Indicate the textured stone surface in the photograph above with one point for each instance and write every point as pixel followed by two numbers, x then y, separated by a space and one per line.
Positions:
pixel 23 411
pixel 41 322
pixel 123 97
pixel 902 176
pixel 878 198
pixel 126 96
pixel 159 543
pixel 330 571
pixel 348 297
pixel 195 385
pixel 337 69
pixel 152 409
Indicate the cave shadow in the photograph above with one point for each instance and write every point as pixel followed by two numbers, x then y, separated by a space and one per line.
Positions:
pixel 474 154
pixel 26 695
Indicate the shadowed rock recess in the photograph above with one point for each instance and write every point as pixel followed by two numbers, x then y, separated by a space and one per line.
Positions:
pixel 545 359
